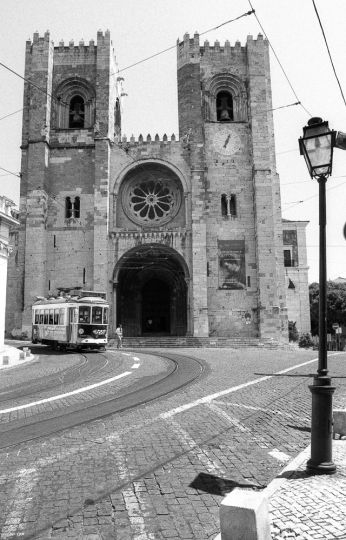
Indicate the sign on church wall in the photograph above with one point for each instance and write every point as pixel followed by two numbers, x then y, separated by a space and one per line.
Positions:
pixel 231 254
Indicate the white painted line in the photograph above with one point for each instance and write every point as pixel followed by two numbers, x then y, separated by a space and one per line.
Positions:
pixel 201 453
pixel 280 456
pixel 136 508
pixel 135 366
pixel 61 396
pixel 136 358
pixel 209 398
pixel 126 353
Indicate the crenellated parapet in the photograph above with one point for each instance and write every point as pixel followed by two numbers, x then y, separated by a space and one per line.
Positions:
pixel 148 140
pixel 191 51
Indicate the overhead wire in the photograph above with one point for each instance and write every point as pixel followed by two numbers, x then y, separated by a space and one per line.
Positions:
pixel 175 46
pixel 278 60
pixel 293 204
pixel 33 84
pixel 12 113
pixel 329 54
pixel 10 172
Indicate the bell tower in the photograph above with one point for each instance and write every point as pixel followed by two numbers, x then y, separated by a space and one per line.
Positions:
pixel 224 100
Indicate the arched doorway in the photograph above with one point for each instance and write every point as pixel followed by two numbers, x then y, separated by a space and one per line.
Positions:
pixel 151 291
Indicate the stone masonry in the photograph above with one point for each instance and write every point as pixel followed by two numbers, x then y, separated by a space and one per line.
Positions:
pixel 185 236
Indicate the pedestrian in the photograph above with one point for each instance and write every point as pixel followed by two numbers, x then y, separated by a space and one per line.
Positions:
pixel 119 336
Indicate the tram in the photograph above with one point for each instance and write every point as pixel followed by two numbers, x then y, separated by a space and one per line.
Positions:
pixel 71 322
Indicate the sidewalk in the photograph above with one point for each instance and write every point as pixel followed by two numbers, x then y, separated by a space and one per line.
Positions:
pixel 305 507
pixel 11 356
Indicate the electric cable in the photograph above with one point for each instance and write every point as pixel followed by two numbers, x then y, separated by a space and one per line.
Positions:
pixel 175 46
pixel 33 84
pixel 329 54
pixel 278 60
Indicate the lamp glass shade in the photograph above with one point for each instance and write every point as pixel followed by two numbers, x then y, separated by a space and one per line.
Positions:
pixel 317 148
pixel 319 152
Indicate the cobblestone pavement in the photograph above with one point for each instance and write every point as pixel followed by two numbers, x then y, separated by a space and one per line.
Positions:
pixel 311 507
pixel 160 471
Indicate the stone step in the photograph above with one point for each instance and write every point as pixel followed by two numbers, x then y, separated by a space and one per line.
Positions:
pixel 194 342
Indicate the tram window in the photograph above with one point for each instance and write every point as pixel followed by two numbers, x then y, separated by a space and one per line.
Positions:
pixel 46 314
pixel 41 316
pixel 105 315
pixel 97 314
pixel 84 314
pixel 37 317
pixel 56 316
pixel 51 316
pixel 61 316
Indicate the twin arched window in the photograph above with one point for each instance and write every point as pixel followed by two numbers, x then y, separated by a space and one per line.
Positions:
pixel 229 206
pixel 72 208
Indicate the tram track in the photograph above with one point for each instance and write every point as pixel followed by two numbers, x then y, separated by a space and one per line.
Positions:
pixel 184 370
pixel 68 375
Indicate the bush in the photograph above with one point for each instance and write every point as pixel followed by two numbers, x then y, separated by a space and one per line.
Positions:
pixel 293 333
pixel 305 341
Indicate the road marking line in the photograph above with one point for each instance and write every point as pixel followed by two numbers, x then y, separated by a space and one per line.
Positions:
pixel 135 366
pixel 211 466
pixel 136 358
pixel 280 456
pixel 133 503
pixel 211 397
pixel 61 396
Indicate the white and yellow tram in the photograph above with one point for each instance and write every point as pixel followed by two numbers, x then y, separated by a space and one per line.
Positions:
pixel 71 322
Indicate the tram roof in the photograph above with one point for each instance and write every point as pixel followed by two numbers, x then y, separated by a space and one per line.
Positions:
pixel 70 300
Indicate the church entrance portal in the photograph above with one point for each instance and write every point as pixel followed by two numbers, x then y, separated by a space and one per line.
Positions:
pixel 151 292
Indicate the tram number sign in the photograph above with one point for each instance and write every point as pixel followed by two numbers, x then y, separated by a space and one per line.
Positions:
pixel 335 326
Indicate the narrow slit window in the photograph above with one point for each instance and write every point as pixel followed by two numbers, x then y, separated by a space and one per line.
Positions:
pixel 68 207
pixel 76 207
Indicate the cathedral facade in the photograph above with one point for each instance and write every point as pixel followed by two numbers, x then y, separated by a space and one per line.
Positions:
pixel 184 235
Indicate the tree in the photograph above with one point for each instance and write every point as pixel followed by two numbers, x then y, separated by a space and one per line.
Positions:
pixel 336 305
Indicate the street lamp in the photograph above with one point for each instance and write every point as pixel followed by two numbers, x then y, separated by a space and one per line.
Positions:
pixel 316 146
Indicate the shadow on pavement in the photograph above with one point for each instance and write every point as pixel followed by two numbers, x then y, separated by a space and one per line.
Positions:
pixel 214 485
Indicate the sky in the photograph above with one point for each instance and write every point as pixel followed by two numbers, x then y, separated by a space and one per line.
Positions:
pixel 142 28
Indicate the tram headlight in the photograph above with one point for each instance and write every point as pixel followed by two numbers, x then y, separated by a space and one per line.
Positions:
pixel 81 331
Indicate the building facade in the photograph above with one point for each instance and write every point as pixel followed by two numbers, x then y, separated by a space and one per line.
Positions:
pixel 185 235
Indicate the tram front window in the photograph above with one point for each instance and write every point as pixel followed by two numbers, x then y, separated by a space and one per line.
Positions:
pixel 97 315
pixel 84 314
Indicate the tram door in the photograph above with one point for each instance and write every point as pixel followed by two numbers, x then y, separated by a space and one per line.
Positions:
pixel 72 325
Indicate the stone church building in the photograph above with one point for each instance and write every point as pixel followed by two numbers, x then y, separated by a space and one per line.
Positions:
pixel 185 236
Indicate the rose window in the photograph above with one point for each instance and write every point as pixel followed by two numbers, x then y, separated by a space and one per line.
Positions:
pixel 151 202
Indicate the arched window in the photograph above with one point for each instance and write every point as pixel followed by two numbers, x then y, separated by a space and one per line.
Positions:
pixel 76 207
pixel 68 207
pixel 76 113
pixel 224 107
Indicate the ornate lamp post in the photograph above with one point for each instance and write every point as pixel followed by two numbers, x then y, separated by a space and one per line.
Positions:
pixel 316 146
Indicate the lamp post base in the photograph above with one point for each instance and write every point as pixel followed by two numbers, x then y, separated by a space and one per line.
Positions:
pixel 321 461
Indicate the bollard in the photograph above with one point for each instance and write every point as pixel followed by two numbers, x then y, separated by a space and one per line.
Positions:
pixel 27 352
pixel 244 514
pixel 21 355
pixel 5 360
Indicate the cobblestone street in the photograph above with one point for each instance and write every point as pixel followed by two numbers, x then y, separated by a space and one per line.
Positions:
pixel 160 471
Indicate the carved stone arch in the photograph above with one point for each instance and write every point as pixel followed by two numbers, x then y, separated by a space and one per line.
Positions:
pixel 225 82
pixel 65 92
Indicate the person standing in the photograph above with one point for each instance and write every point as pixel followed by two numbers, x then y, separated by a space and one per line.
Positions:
pixel 119 336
